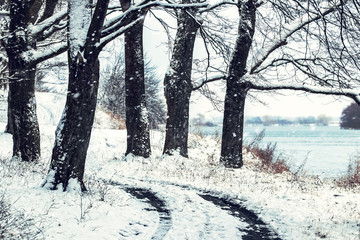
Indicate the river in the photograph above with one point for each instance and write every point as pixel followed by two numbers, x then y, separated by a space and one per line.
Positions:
pixel 327 149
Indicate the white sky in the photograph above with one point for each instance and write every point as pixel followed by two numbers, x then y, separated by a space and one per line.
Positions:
pixel 285 104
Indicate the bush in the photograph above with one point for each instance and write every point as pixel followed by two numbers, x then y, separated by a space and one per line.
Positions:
pixel 352 177
pixel 14 225
pixel 270 161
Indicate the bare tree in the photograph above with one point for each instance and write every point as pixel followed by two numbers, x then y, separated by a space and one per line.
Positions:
pixel 303 42
pixel 28 25
pixel 88 35
pixel 178 85
pixel 137 123
pixel 74 129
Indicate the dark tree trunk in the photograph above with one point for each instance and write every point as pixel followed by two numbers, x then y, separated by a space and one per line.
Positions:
pixel 178 86
pixel 22 102
pixel 232 136
pixel 9 126
pixel 22 105
pixel 137 124
pixel 74 130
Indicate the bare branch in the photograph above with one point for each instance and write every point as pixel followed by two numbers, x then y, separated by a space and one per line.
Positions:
pixel 353 94
pixel 47 23
pixel 39 55
pixel 209 80
pixel 4 14
pixel 292 28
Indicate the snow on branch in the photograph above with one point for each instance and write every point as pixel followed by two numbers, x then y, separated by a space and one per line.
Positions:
pixel 36 56
pixel 112 24
pixel 291 28
pixel 113 35
pixel 47 23
pixel 216 5
pixel 4 14
pixel 355 95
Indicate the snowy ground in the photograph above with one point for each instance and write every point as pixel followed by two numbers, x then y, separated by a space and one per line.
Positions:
pixel 295 208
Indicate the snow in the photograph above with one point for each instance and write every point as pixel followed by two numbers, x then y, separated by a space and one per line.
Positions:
pixel 296 207
pixel 79 22
pixel 47 23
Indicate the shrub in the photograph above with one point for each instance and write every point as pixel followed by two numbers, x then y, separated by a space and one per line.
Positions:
pixel 270 161
pixel 14 225
pixel 352 177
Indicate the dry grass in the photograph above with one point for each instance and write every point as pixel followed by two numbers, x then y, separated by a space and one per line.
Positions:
pixel 14 225
pixel 111 120
pixel 270 160
pixel 352 178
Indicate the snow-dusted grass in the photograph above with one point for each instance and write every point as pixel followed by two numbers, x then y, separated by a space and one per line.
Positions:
pixel 352 178
pixel 297 207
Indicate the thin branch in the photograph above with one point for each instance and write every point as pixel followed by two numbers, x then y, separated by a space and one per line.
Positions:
pixel 209 80
pixel 108 38
pixel 353 94
pixel 292 28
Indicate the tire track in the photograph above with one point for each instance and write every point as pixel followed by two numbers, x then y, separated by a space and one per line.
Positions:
pixel 209 215
pixel 257 229
pixel 165 221
pixel 158 205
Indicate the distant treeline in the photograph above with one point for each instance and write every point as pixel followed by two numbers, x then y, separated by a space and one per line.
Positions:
pixel 321 120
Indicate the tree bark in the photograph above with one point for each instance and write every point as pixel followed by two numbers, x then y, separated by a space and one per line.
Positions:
pixel 137 124
pixel 232 137
pixel 178 86
pixel 74 130
pixel 237 88
pixel 22 103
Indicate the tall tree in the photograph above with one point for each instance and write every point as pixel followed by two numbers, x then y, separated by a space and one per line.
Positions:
pixel 87 36
pixel 74 129
pixel 318 64
pixel 137 123
pixel 236 90
pixel 25 30
pixel 177 82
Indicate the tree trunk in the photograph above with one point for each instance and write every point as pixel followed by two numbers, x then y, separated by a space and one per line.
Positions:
pixel 233 124
pixel 74 130
pixel 9 126
pixel 237 88
pixel 22 103
pixel 178 86
pixel 22 110
pixel 137 124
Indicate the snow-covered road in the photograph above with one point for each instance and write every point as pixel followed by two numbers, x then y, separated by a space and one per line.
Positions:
pixel 186 213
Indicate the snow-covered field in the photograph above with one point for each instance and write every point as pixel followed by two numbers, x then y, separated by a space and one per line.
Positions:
pixel 295 207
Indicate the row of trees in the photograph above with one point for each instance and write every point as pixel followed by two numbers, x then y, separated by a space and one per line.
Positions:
pixel 294 44
pixel 321 120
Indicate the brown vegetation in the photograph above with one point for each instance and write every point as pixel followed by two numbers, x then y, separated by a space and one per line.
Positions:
pixel 352 177
pixel 270 160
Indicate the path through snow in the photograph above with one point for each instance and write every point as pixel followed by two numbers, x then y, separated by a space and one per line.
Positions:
pixel 185 213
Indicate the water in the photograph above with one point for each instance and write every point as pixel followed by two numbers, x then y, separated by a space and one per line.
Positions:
pixel 326 148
